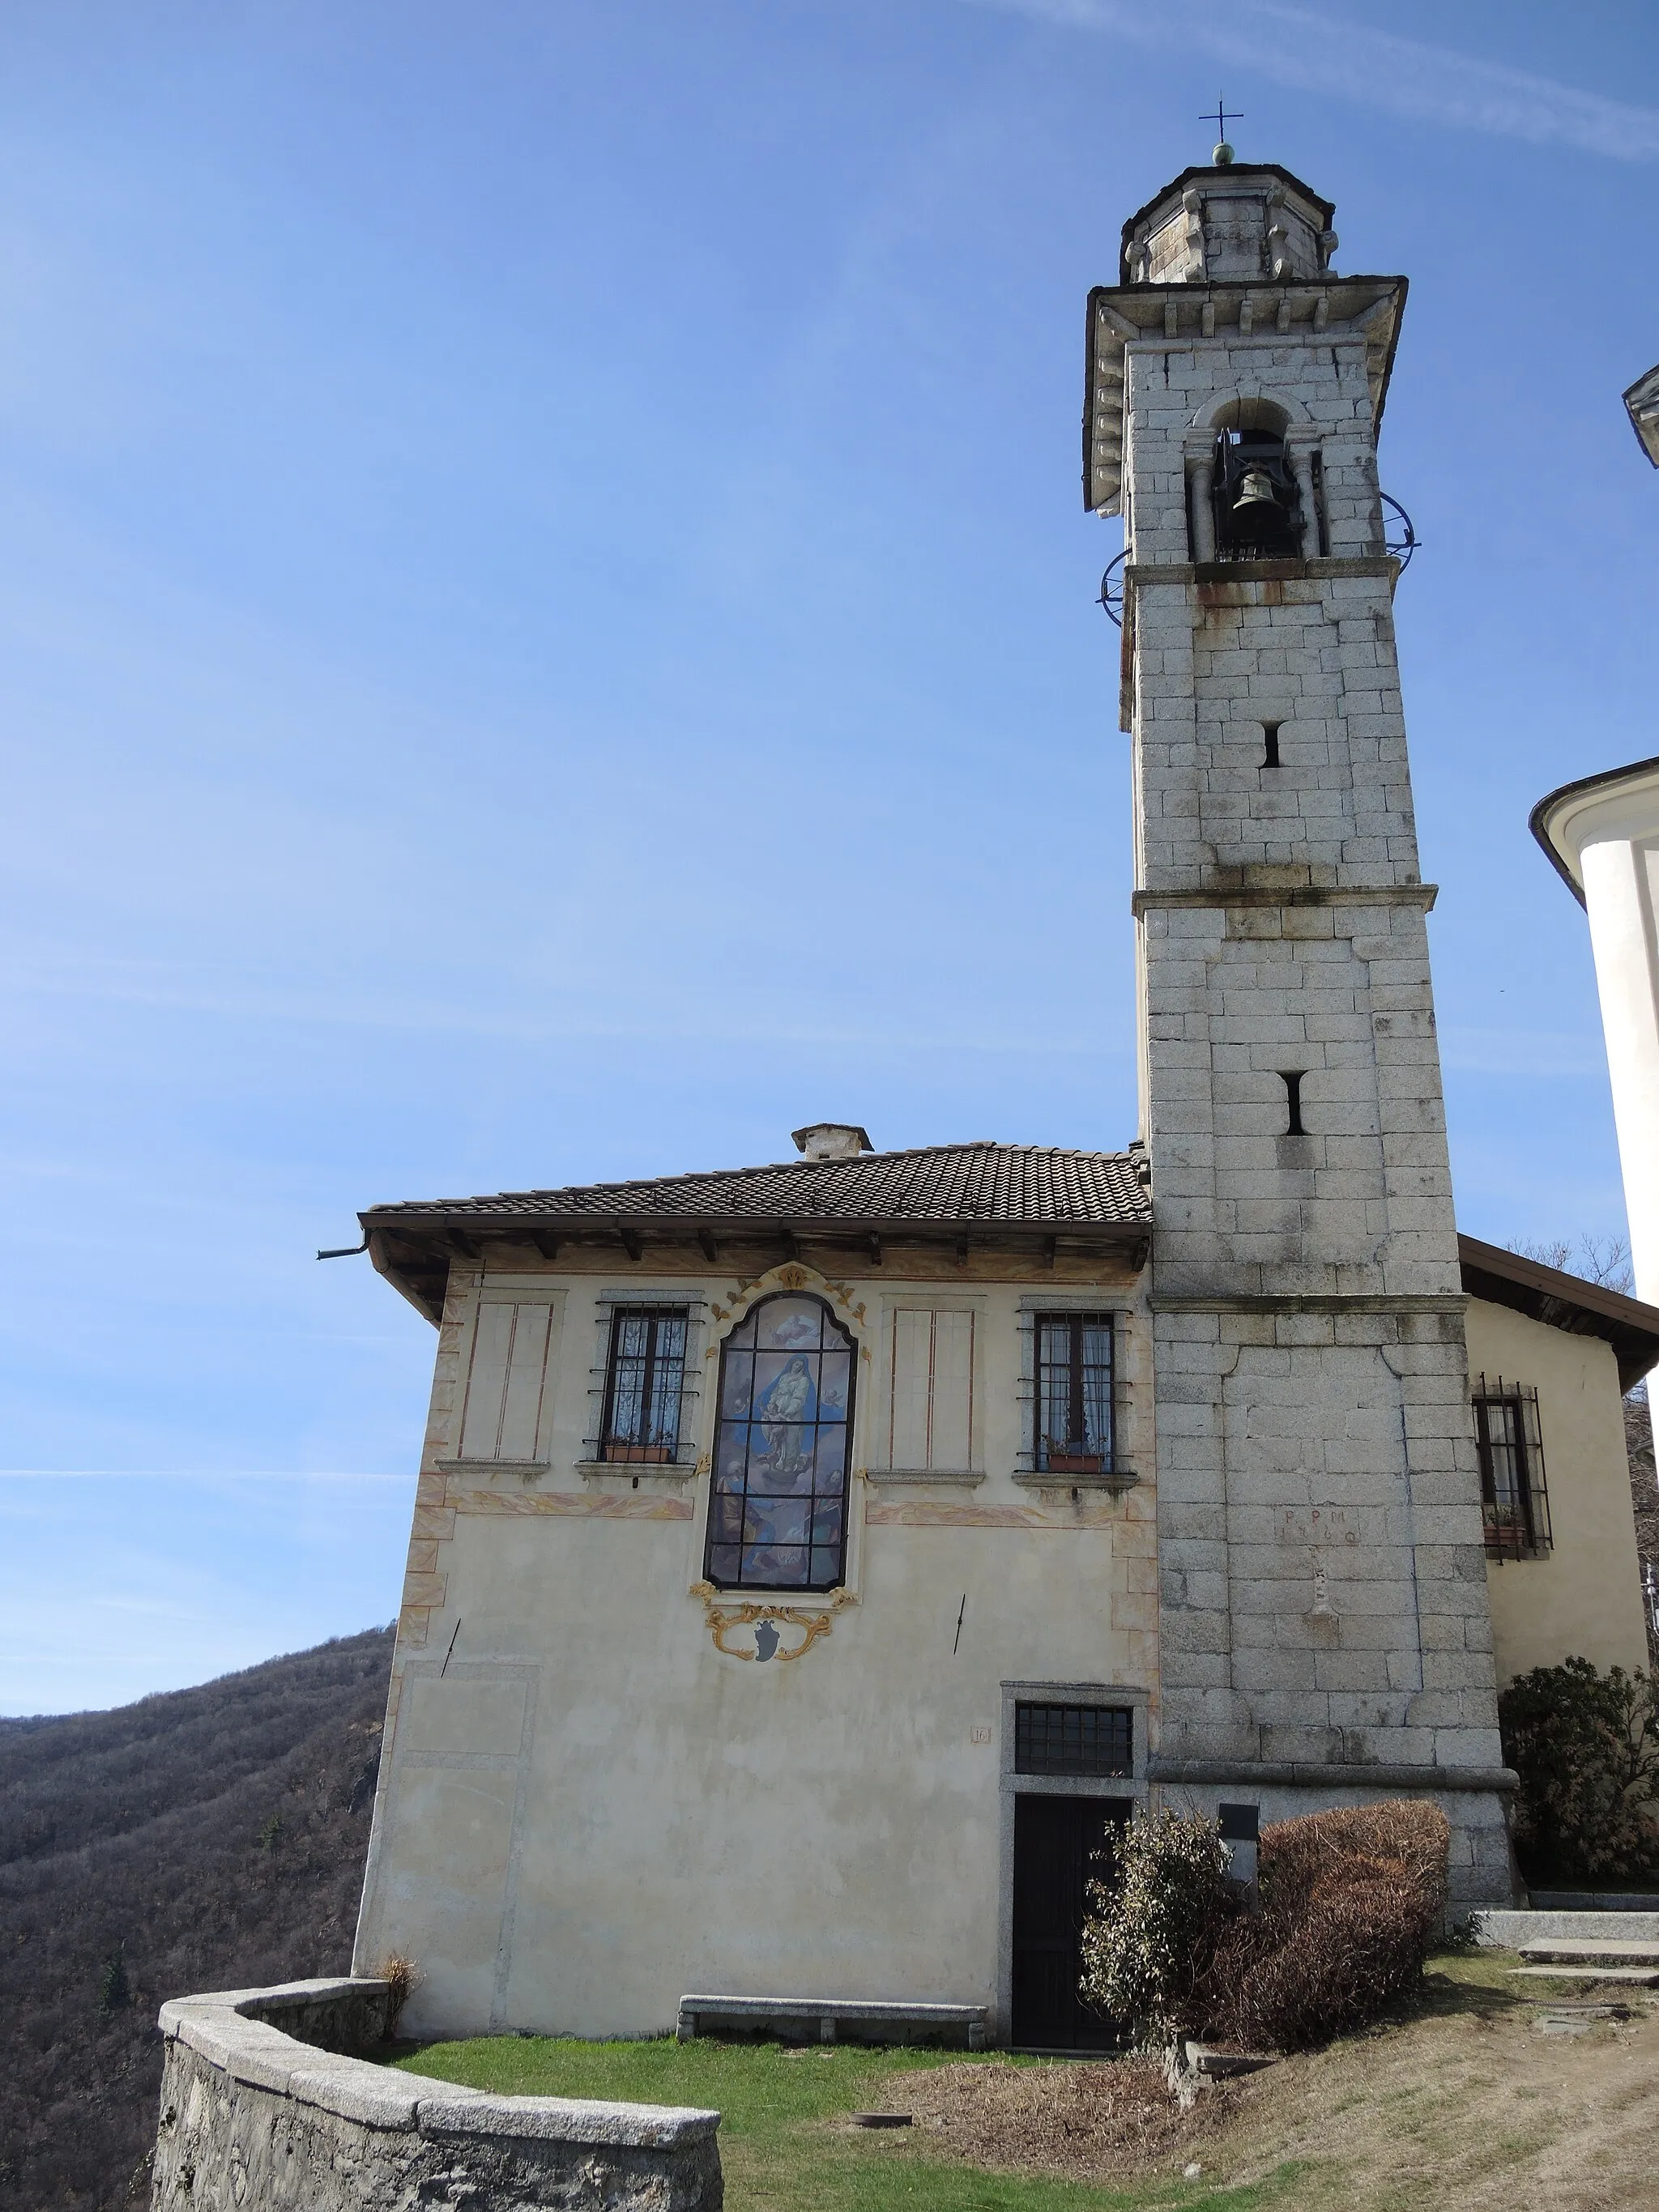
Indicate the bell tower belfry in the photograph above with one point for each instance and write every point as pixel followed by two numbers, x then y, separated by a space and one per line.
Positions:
pixel 1324 1629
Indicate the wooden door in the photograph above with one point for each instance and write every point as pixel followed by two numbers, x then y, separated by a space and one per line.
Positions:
pixel 1055 1843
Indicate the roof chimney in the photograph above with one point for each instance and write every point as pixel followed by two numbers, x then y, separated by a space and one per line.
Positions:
pixel 832 1140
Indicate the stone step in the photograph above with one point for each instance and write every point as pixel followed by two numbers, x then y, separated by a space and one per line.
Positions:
pixel 1587 1900
pixel 1646 1978
pixel 1517 1931
pixel 1584 1951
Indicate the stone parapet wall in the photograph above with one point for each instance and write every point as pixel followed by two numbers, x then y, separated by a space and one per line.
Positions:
pixel 1480 1870
pixel 265 2108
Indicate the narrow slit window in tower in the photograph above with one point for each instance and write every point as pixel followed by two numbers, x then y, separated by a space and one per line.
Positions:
pixel 1270 744
pixel 1291 1079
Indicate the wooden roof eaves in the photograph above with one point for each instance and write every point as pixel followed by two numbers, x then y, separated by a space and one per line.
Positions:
pixel 415 1256
pixel 686 1227
pixel 383 1262
pixel 1565 1301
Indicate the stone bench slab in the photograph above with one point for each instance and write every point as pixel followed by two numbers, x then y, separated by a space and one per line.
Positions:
pixel 1520 1931
pixel 1583 1951
pixel 829 2013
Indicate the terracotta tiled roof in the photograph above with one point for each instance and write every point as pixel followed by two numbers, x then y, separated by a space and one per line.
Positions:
pixel 1034 1184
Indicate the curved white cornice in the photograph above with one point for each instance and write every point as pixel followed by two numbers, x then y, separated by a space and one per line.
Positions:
pixel 1620 804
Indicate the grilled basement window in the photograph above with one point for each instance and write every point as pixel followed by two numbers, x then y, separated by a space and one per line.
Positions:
pixel 643 1378
pixel 1075 1394
pixel 1073 1740
pixel 1514 1503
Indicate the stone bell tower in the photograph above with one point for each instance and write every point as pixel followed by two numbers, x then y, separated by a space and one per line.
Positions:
pixel 1324 1628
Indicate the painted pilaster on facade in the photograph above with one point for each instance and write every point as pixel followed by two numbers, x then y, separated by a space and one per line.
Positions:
pixel 1323 1581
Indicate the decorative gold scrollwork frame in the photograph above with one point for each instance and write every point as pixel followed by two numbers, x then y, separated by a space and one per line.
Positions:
pixel 722 1618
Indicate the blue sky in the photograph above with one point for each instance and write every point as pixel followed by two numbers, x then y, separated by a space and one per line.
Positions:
pixel 546 633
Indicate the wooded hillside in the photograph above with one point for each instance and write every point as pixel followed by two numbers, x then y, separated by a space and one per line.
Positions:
pixel 211 1838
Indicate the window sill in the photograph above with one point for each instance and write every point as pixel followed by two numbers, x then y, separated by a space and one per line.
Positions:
pixel 524 1467
pixel 956 1479
pixel 634 1470
pixel 775 1601
pixel 1115 1480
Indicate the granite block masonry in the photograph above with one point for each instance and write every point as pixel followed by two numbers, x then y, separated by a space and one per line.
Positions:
pixel 264 2105
pixel 1323 1606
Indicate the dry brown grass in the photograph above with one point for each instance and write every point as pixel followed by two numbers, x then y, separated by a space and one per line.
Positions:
pixel 1467 2107
pixel 1471 2107
pixel 1082 2123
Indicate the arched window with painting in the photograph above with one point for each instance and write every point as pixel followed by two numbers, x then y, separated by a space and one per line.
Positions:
pixel 777 1506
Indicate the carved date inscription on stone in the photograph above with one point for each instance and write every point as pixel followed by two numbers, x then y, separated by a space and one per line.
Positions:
pixel 1316 1524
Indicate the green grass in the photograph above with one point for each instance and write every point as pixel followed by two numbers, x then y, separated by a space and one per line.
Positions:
pixel 777 2152
pixel 1475 1980
pixel 781 2152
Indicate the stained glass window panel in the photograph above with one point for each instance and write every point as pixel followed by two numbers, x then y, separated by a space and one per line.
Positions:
pixel 777 1519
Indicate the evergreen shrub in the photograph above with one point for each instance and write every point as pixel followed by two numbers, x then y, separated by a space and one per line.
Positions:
pixel 1586 1748
pixel 1156 1918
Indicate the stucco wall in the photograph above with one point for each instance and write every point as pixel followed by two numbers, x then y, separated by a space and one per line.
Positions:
pixel 1585 1597
pixel 592 1801
pixel 253 2115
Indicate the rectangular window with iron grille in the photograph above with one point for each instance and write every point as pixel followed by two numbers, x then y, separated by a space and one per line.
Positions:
pixel 644 1375
pixel 1074 1393
pixel 1514 1503
pixel 1073 1740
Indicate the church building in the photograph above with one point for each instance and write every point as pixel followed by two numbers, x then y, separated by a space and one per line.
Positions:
pixel 812 1562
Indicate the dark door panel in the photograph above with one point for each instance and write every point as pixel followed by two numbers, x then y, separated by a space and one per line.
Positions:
pixel 1056 1840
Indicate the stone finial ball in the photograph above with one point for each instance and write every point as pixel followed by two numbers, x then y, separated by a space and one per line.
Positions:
pixel 1223 154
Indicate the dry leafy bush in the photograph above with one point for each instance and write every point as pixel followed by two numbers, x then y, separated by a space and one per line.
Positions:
pixel 402 1978
pixel 1351 1902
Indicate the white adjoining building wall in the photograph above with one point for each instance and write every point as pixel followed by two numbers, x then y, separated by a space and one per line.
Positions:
pixel 594 1798
pixel 1602 834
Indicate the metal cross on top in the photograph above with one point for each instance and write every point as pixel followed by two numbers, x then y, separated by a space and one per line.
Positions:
pixel 1223 118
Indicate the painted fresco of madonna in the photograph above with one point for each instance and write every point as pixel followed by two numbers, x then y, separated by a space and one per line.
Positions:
pixel 786 1414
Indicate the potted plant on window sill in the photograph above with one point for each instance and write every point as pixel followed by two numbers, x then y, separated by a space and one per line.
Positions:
pixel 1056 1462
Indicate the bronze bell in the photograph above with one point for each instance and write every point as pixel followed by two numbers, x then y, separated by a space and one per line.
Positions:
pixel 1256 490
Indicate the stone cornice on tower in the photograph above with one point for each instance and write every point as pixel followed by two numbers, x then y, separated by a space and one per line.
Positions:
pixel 1261 309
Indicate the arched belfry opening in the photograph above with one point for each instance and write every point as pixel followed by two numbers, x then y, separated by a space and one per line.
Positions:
pixel 1255 503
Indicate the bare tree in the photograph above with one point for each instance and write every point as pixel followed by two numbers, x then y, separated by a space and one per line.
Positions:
pixel 1602 1260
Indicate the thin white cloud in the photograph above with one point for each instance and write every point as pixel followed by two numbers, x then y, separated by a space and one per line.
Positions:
pixel 192 1474
pixel 1407 77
